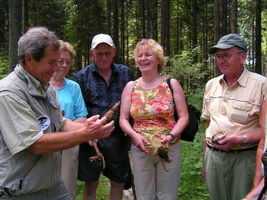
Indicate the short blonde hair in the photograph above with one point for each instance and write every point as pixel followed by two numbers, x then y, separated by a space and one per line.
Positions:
pixel 65 46
pixel 156 50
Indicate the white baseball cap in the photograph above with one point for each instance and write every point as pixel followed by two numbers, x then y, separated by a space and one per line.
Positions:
pixel 102 38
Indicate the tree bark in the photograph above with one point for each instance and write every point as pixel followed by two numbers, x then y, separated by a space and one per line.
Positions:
pixel 109 17
pixel 115 29
pixel 234 16
pixel 153 19
pixel 122 49
pixel 15 31
pixel 216 30
pixel 224 17
pixel 258 37
pixel 165 26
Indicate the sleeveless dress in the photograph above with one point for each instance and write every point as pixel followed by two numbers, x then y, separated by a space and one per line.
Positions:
pixel 152 110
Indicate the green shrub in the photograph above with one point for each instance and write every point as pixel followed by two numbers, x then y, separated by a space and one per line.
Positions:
pixel 3 66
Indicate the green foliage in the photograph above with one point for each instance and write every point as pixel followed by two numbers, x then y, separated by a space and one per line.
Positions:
pixel 3 66
pixel 192 186
pixel 184 68
pixel 50 14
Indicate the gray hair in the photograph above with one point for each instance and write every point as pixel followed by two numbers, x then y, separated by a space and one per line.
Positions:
pixel 34 42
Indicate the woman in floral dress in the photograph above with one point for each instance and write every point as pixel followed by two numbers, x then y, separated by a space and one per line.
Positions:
pixel 149 102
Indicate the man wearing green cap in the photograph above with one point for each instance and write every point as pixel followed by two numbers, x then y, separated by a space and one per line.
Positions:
pixel 232 105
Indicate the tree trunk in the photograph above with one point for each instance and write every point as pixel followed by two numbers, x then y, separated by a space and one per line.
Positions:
pixel 216 30
pixel 258 37
pixel 109 17
pixel 153 22
pixel 234 16
pixel 165 26
pixel 194 23
pixel 194 27
pixel 205 41
pixel 15 31
pixel 116 28
pixel 224 17
pixel 143 19
pixel 122 33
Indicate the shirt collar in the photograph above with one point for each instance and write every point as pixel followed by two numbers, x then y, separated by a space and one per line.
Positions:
pixel 36 88
pixel 242 80
pixel 114 68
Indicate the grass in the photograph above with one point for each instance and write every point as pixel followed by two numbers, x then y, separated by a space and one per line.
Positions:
pixel 102 190
pixel 192 185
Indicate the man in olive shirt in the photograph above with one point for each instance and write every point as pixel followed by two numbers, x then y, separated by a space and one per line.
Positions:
pixel 30 119
pixel 232 106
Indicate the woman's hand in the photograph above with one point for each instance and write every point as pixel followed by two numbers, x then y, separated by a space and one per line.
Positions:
pixel 141 143
pixel 167 140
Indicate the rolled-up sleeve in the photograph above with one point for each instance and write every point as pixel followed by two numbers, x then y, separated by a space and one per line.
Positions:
pixel 18 123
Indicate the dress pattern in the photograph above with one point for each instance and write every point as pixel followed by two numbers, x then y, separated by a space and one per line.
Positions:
pixel 152 110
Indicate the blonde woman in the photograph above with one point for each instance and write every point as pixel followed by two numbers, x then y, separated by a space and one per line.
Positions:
pixel 149 102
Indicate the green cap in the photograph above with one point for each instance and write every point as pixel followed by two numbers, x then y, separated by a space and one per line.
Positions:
pixel 229 41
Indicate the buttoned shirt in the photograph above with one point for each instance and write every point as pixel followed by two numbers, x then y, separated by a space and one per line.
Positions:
pixel 235 109
pixel 100 96
pixel 28 110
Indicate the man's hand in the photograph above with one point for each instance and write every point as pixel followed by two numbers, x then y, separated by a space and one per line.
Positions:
pixel 95 128
pixel 226 143
pixel 203 172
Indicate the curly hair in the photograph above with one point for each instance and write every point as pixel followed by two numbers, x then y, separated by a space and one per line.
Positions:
pixel 157 50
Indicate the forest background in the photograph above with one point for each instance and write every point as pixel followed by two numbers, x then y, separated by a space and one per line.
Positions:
pixel 185 28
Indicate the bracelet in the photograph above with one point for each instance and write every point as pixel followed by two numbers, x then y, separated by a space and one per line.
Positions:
pixel 170 134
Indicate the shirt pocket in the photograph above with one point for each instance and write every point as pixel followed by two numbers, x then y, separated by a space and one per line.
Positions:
pixel 240 112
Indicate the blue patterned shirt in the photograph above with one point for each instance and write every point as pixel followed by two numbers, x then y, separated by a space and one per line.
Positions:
pixel 99 96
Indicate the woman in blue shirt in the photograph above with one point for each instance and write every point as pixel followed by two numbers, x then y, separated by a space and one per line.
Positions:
pixel 72 107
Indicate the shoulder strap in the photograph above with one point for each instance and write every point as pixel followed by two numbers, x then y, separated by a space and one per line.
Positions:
pixel 169 84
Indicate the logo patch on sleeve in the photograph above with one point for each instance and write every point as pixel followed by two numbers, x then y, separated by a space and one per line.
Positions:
pixel 44 122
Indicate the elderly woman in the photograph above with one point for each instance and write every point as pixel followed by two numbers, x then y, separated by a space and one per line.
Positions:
pixel 72 107
pixel 150 103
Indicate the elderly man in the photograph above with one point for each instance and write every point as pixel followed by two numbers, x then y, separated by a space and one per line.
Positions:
pixel 232 106
pixel 32 129
pixel 102 83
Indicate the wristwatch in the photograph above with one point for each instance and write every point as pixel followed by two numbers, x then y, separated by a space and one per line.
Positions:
pixel 244 140
pixel 170 134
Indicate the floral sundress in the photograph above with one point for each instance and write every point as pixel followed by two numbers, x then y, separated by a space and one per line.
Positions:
pixel 152 110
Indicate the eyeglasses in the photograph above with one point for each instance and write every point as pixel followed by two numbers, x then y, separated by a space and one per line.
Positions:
pixel 101 54
pixel 226 56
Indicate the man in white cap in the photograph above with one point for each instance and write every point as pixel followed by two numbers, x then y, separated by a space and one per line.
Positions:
pixel 232 105
pixel 102 83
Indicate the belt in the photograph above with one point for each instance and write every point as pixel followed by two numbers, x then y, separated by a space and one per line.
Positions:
pixel 233 150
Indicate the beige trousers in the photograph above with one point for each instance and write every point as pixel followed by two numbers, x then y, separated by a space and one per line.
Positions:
pixel 69 169
pixel 154 178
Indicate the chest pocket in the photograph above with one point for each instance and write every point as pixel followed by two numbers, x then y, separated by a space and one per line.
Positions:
pixel 243 112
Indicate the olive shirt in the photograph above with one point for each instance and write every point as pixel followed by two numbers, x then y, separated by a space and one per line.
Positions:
pixel 234 109
pixel 28 110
